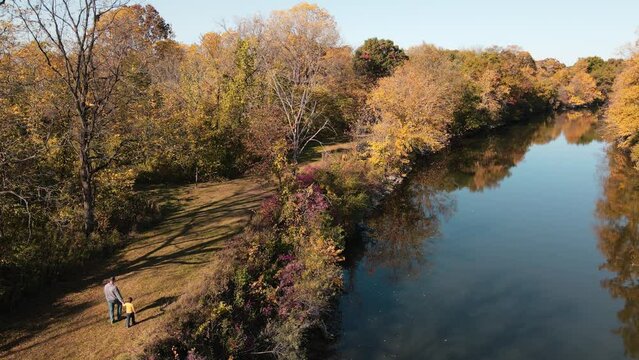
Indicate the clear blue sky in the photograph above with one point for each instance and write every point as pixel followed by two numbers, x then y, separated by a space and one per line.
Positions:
pixel 563 29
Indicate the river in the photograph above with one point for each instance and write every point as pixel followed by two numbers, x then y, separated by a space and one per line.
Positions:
pixel 519 243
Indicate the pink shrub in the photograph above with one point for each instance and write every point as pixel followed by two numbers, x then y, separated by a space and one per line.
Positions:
pixel 310 203
pixel 269 211
pixel 192 355
pixel 287 277
pixel 307 177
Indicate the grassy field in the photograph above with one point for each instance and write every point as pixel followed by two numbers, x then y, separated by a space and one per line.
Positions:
pixel 72 321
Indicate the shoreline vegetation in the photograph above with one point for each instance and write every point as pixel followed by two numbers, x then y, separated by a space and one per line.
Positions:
pixel 250 100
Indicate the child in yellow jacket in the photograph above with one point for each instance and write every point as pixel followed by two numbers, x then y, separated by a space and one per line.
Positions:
pixel 130 312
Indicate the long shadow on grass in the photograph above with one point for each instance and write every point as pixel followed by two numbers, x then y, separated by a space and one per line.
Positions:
pixel 31 328
pixel 188 240
pixel 160 304
pixel 191 245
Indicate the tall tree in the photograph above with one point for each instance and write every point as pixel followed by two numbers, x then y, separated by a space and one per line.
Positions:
pixel 297 40
pixel 415 107
pixel 68 35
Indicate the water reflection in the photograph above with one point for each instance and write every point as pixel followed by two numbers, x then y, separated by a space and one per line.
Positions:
pixel 618 231
pixel 463 264
pixel 395 239
pixel 578 128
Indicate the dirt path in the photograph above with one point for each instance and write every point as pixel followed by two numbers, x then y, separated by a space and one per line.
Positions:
pixel 153 269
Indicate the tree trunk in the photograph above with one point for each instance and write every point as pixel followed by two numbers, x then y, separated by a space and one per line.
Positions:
pixel 88 201
pixel 86 181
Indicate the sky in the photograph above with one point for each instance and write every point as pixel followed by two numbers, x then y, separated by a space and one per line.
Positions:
pixel 563 29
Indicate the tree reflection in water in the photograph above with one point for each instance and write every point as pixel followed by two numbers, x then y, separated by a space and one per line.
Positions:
pixel 618 231
pixel 578 127
pixel 397 238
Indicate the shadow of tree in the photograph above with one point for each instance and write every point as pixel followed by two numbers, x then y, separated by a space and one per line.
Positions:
pixel 160 303
pixel 183 238
pixel 31 328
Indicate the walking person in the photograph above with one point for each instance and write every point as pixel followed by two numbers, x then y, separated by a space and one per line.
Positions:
pixel 130 312
pixel 114 300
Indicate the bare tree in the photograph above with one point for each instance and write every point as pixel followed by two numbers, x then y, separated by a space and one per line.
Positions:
pixel 69 35
pixel 297 40
pixel 304 121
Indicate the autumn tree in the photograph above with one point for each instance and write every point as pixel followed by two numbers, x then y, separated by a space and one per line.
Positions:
pixel 342 93
pixel 377 58
pixel 26 134
pixel 545 81
pixel 603 71
pixel 68 36
pixel 206 100
pixel 34 176
pixel 415 106
pixel 581 90
pixel 588 82
pixel 623 113
pixel 438 94
pixel 297 41
pixel 69 101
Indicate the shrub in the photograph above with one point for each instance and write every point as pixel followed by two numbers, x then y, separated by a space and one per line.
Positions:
pixel 268 289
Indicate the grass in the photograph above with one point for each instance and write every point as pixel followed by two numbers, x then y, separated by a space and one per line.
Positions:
pixel 313 156
pixel 71 322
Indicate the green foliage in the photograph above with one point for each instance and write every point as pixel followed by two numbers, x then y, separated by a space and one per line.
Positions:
pixel 350 186
pixel 377 58
pixel 603 71
pixel 235 96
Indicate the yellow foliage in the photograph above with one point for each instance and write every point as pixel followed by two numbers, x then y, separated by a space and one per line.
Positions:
pixel 623 113
pixel 582 90
pixel 415 107
pixel 210 42
pixel 302 26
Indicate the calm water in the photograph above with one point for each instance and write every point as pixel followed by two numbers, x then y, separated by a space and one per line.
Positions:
pixel 520 244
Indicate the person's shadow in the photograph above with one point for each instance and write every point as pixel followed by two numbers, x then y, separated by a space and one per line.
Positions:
pixel 160 303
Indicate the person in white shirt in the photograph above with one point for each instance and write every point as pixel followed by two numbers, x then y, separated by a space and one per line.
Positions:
pixel 114 300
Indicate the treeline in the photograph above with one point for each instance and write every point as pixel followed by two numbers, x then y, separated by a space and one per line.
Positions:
pixel 623 112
